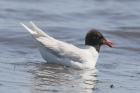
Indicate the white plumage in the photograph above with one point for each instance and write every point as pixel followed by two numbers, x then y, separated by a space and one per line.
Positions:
pixel 58 52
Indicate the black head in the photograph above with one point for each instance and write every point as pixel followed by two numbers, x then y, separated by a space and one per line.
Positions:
pixel 96 39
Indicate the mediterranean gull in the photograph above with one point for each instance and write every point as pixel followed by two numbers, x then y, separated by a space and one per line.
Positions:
pixel 58 52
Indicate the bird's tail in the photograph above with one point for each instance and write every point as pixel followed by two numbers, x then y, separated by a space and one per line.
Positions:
pixel 37 32
pixel 28 29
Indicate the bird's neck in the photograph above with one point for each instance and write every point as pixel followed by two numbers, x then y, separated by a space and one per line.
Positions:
pixel 97 47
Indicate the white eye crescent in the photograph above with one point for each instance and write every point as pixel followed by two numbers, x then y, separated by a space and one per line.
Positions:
pixel 97 37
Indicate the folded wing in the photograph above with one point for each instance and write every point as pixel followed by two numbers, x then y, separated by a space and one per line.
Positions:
pixel 49 47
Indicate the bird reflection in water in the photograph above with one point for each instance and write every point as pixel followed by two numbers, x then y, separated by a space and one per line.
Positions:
pixel 59 79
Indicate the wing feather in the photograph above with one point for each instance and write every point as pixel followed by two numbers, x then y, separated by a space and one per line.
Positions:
pixel 61 49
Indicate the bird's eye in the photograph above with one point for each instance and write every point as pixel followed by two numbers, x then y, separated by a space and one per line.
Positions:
pixel 97 37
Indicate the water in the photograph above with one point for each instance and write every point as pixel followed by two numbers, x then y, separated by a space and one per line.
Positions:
pixel 24 71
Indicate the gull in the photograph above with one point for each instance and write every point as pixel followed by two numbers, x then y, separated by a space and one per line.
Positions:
pixel 59 52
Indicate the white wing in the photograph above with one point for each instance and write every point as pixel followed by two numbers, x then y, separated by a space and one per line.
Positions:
pixel 55 47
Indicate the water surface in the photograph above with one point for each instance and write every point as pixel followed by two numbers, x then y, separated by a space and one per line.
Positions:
pixel 24 71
